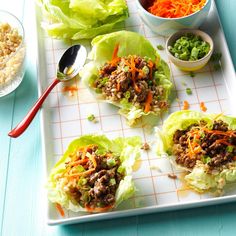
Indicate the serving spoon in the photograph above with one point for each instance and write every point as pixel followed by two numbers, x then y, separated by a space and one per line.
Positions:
pixel 68 67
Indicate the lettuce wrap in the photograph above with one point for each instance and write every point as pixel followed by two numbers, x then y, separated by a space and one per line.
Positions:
pixel 81 19
pixel 94 174
pixel 204 145
pixel 126 65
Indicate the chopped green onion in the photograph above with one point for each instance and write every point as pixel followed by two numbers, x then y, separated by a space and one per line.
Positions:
pixel 98 90
pixel 112 181
pixel 121 169
pixel 127 94
pixel 145 70
pixel 202 135
pixel 91 117
pixel 100 152
pixel 111 162
pixel 104 81
pixel 160 47
pixel 189 91
pixel 189 47
pixel 82 181
pixel 206 159
pixel 80 168
pixel 229 148
pixel 126 69
pixel 86 197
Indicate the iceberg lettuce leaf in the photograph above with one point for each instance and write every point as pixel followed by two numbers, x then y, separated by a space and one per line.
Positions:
pixel 199 178
pixel 127 148
pixel 82 19
pixel 130 43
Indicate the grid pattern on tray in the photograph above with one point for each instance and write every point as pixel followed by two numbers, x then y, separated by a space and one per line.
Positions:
pixel 68 119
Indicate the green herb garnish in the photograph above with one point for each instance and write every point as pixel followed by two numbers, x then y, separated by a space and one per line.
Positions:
pixel 104 81
pixel 189 91
pixel 111 162
pixel 112 181
pixel 160 47
pixel 82 181
pixel 126 69
pixel 229 148
pixel 91 117
pixel 206 159
pixel 80 168
pixel 127 94
pixel 145 70
pixel 190 47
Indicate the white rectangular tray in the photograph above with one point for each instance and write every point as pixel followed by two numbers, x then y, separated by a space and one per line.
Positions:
pixel 64 119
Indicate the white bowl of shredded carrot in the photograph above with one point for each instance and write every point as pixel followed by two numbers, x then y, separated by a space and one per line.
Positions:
pixel 165 17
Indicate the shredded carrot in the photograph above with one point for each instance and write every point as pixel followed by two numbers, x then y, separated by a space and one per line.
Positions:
pixel 224 142
pixel 70 88
pixel 225 133
pixel 234 158
pixel 148 102
pixel 203 107
pixel 118 86
pixel 93 161
pixel 75 163
pixel 185 105
pixel 60 210
pixel 175 9
pixel 150 64
pixel 115 57
pixel 82 173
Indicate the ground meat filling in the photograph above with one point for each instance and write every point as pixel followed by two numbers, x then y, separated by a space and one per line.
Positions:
pixel 92 179
pixel 214 147
pixel 132 78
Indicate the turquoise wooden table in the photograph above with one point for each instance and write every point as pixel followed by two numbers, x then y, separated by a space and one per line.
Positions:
pixel 22 209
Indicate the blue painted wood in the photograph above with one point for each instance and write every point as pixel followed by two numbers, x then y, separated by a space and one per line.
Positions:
pixel 23 211
pixel 226 11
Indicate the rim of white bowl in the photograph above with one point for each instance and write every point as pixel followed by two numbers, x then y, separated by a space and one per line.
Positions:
pixel 172 19
pixel 194 32
pixel 22 35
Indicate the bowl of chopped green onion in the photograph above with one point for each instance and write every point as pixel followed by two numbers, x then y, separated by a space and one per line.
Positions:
pixel 190 50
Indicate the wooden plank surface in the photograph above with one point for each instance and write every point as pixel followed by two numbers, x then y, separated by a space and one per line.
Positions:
pixel 22 201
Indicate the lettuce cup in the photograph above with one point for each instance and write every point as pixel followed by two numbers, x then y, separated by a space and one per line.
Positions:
pixel 204 145
pixel 127 71
pixel 94 174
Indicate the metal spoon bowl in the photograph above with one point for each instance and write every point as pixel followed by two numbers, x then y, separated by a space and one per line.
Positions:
pixel 69 65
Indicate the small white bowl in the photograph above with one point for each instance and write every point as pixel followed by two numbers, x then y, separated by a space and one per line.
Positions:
pixel 12 67
pixel 189 65
pixel 167 26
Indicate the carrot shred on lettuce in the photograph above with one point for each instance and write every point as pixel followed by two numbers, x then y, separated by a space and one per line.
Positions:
pixel 60 210
pixel 175 9
pixel 148 102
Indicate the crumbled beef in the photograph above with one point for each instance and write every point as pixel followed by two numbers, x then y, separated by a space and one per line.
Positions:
pixel 119 82
pixel 212 150
pixel 97 189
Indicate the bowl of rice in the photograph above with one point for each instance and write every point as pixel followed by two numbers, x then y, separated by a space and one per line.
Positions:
pixel 12 52
pixel 166 17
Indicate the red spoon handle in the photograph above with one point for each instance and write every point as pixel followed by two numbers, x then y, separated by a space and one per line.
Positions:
pixel 23 125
